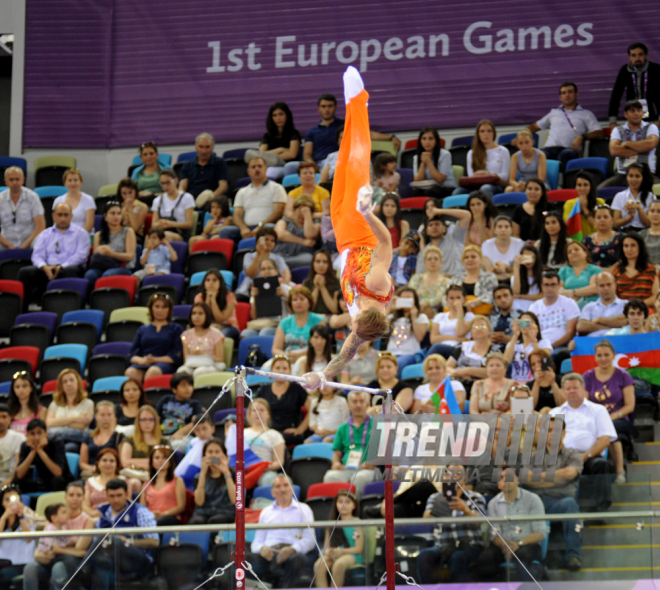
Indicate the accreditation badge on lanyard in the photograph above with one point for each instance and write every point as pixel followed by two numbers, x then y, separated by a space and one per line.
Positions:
pixel 354 454
pixel 643 101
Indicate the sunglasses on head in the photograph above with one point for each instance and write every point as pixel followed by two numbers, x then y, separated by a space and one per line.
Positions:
pixel 20 374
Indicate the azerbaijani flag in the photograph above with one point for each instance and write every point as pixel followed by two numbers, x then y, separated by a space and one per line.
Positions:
pixel 445 400
pixel 574 222
pixel 637 354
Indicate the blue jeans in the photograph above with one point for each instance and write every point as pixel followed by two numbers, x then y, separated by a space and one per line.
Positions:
pixel 557 152
pixel 71 437
pixel 409 359
pixel 487 189
pixel 231 332
pixel 566 505
pixel 442 349
pixel 249 332
pixel 458 562
pixel 315 438
pixel 57 571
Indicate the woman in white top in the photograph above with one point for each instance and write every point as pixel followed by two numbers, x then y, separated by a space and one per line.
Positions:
pixel 432 166
pixel 329 411
pixel 500 252
pixel 526 339
pixel 82 204
pixel 319 351
pixel 630 206
pixel 173 210
pixel 451 327
pixel 435 372
pixel 409 326
pixel 487 158
pixel 70 412
pixel 526 279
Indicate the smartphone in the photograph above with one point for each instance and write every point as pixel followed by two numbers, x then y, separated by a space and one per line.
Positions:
pixel 526 260
pixel 449 491
pixel 523 323
pixel 545 363
pixel 215 460
pixel 404 302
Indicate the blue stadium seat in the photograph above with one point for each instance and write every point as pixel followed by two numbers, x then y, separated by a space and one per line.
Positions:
pixel 293 179
pixel 90 316
pixel 566 366
pixel 265 342
pixel 415 371
pixel 108 383
pixel 323 450
pixel 509 199
pixel 455 202
pixel 247 244
pixel 552 173
pixel 164 159
pixel 74 351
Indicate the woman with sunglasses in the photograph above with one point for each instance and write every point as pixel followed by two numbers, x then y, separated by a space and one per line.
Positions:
pixel 157 348
pixel 604 243
pixel 23 402
pixel 147 174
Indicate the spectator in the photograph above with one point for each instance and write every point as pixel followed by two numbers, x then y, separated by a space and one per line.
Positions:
pixel 173 210
pixel 390 215
pixel 606 312
pixel 459 545
pixel 203 345
pixel 319 351
pixel 450 328
pixel 587 197
pixel 220 217
pixel 527 163
pixel 15 553
pixel 297 236
pixel 60 565
pixel 107 469
pixel 604 244
pixel 61 251
pixel 635 200
pixel 319 195
pixel 432 163
pixel 386 378
pixel 557 315
pixel 321 140
pixel 409 327
pixel 404 260
pixel 258 204
pixel 343 547
pixel 51 473
pixel 614 389
pixel 578 278
pixel 119 558
pixel 221 301
pixel 23 402
pixel 350 445
pixel 569 125
pixel 544 388
pixel 157 347
pixel 634 141
pixel 280 556
pixel 57 516
pixel 341 322
pixel 330 163
pixel 190 465
pixel 652 324
pixel 104 436
pixel 589 430
pixel 361 369
pixel 215 491
pixel 323 283
pixel 499 252
pixel 435 372
pixel 483 214
pixel 503 316
pixel 114 247
pixel 635 313
pixel 529 218
pixel 131 399
pixel 559 495
pixel 177 411
pixel 133 211
pixel 147 174
pixel 430 285
pixel 492 395
pixel 135 449
pixel 527 277
pixel 651 235
pixel 329 411
pixel 486 158
pixel 82 205
pixel 266 326
pixel 164 494
pixel 634 78
pixel 449 239
pixel 292 334
pixel 635 275
pixel 285 400
pixel 477 283
pixel 523 538
pixel 157 256
pixel 385 175
pixel 21 212
pixel 526 339
pixel 70 412
pixel 10 445
pixel 553 242
pixel 205 176
pixel 281 142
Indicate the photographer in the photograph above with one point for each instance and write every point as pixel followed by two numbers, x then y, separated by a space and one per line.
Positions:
pixel 14 553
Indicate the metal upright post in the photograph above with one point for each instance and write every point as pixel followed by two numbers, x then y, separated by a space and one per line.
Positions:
pixel 390 562
pixel 240 479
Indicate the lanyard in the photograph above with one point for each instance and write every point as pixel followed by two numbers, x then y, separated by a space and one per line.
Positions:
pixel 634 133
pixel 365 424
pixel 569 119
pixel 646 81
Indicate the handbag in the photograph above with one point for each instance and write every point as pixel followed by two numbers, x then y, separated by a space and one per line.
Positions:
pixel 478 180
pixel 102 262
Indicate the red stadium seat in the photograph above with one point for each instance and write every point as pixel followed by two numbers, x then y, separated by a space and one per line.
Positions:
pixel 161 381
pixel 51 386
pixel 216 245
pixel 7 286
pixel 128 283
pixel 25 353
pixel 562 195
pixel 243 314
pixel 414 202
pixel 326 490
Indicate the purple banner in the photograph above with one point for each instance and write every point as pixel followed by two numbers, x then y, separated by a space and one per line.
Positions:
pixel 115 73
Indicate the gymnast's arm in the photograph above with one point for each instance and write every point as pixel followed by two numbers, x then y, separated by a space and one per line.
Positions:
pixel 337 364
pixel 378 277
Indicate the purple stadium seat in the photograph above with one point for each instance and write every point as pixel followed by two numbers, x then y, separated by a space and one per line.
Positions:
pixel 79 285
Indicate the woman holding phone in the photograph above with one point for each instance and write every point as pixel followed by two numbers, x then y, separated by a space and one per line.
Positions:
pixel 526 339
pixel 409 327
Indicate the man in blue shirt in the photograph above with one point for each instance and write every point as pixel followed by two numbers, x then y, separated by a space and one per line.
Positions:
pixel 321 141
pixel 205 176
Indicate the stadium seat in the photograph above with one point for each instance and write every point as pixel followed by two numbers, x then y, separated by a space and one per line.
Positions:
pixel 566 366
pixel 122 330
pixel 415 371
pixel 414 203
pixel 294 179
pixel 128 283
pixel 177 565
pixel 321 496
pixel 309 464
pixel 235 153
pixel 121 348
pixel 455 202
pixel 299 274
pixel 265 342
pixel 11 304
pixel 106 364
pixel 78 333
pixel 10 265
pixel 158 381
pixel 247 244
pixel 562 195
pixel 407 176
pixel 113 383
pixel 200 539
pixel 209 386
pixel 7 162
pixel 45 500
pixel 608 193
pixel 48 170
pixel 145 293
pixel 91 316
pixel 206 260
pixel 30 335
pixel 215 245
pixel 73 459
pixel 407 157
pixel 41 318
pixel 138 314
pixel 596 167
pixel 25 353
pixel 72 284
pixel 509 137
pixel 173 280
pixel 509 199
pixel 9 286
pixel 265 492
pixel 109 299
pixel 236 169
pixel 60 357
pixel 243 311
pixel 552 173
pixel 60 301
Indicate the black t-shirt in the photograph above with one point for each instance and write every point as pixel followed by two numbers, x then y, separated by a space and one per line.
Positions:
pixel 285 411
pixel 395 390
pixel 546 399
pixel 280 142
pixel 55 450
pixel 469 288
pixel 526 223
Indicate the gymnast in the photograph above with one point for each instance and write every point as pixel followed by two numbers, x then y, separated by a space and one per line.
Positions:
pixel 363 240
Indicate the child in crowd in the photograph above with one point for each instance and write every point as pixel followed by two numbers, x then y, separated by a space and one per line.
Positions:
pixel 220 217
pixel 57 516
pixel 404 262
pixel 328 412
pixel 157 255
pixel 385 175
pixel 192 462
pixel 177 410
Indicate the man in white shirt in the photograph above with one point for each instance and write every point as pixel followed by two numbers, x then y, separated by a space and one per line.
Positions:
pixel 21 212
pixel 569 125
pixel 590 430
pixel 606 312
pixel 10 445
pixel 280 556
pixel 449 238
pixel 557 315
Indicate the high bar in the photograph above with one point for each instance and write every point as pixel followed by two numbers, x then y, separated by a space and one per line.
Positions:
pixel 295 379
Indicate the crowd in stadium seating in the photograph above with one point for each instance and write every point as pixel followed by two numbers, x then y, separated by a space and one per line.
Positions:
pixel 497 269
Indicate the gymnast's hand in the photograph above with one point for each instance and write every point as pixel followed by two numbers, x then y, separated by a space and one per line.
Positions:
pixel 313 380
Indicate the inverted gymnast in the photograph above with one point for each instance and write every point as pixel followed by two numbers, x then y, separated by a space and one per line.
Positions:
pixel 363 240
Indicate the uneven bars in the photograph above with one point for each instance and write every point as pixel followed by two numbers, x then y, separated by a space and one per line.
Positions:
pixel 334 385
